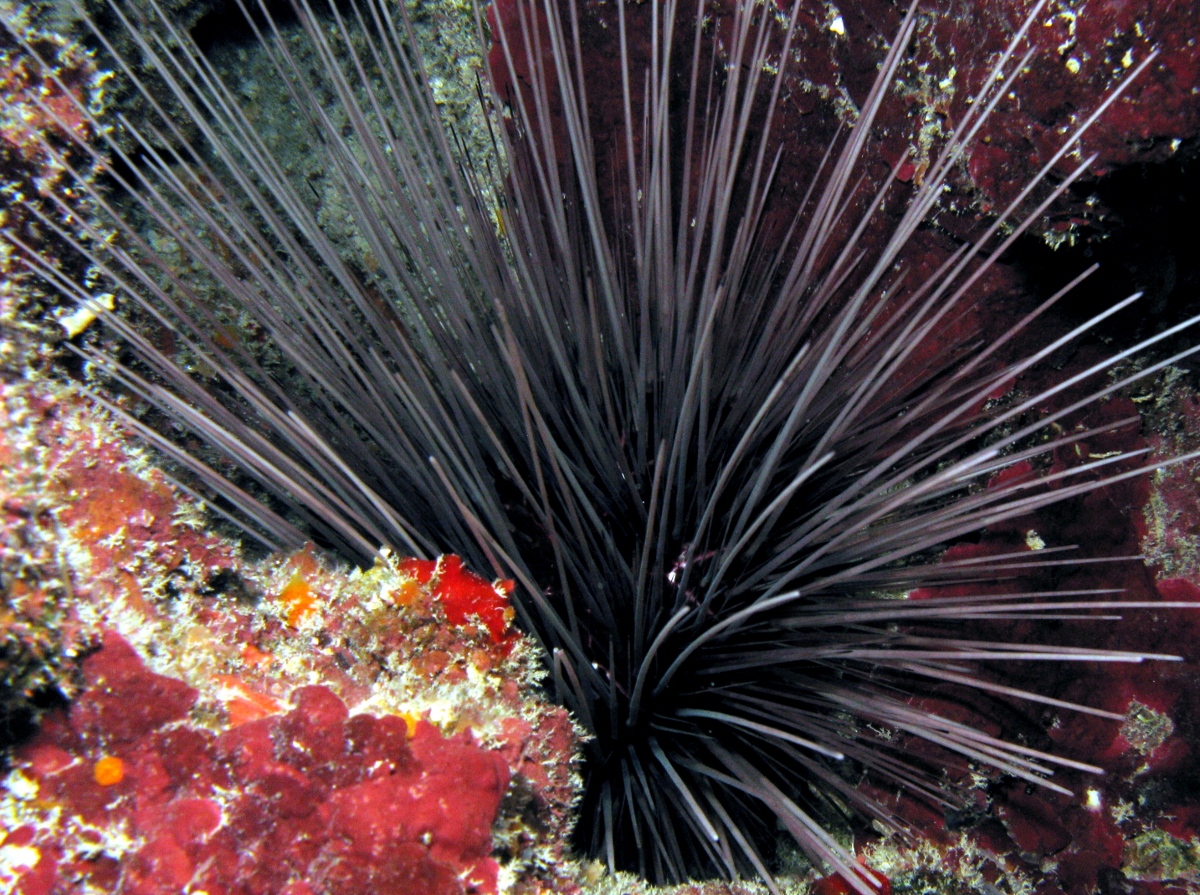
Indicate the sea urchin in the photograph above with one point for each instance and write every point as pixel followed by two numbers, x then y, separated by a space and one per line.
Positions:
pixel 713 437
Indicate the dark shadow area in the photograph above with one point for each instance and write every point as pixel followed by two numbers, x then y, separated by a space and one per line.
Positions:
pixel 1150 245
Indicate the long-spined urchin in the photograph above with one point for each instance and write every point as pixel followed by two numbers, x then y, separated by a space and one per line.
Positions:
pixel 711 460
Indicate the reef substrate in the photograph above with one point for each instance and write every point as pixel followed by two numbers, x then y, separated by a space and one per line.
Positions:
pixel 257 727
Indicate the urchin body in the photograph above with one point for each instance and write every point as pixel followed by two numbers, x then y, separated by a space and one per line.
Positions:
pixel 713 470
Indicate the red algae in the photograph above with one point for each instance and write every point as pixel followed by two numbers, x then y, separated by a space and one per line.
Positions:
pixel 464 595
pixel 345 803
pixel 217 738
pixel 1082 53
pixel 1132 826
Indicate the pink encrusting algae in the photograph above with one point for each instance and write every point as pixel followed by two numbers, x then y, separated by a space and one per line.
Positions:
pixel 387 736
pixel 313 798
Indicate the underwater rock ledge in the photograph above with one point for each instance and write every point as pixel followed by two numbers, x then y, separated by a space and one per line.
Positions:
pixel 237 726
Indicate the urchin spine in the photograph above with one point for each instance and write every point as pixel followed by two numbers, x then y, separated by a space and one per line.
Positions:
pixel 699 462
